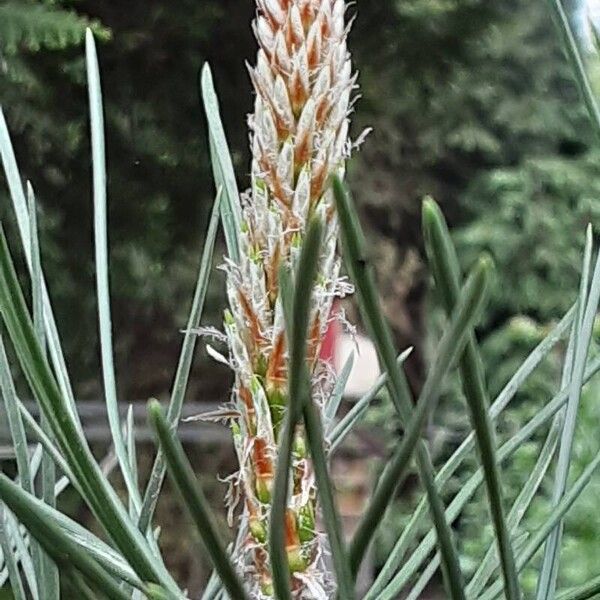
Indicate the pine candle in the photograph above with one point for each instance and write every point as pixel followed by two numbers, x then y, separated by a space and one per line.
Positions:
pixel 303 82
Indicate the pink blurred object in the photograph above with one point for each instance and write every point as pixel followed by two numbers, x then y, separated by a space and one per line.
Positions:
pixel 337 347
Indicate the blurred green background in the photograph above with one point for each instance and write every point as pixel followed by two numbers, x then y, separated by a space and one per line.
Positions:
pixel 471 102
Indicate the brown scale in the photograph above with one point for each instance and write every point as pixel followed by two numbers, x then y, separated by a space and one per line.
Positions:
pixel 266 167
pixel 277 371
pixel 277 188
pixel 298 93
pixel 264 11
pixel 299 473
pixel 246 398
pixel 332 73
pixel 314 342
pixel 293 41
pixel 292 540
pixel 258 339
pixel 262 462
pixel 277 65
pixel 284 129
pixel 322 111
pixel 325 29
pixel 304 148
pixel 313 53
pixel 307 14
pixel 318 182
pixel 272 274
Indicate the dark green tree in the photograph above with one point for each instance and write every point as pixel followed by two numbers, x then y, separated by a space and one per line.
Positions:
pixel 159 176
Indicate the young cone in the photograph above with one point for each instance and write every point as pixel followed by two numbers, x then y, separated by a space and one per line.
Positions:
pixel 299 137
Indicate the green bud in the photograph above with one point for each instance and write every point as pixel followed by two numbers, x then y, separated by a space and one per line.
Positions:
pixel 276 397
pixel 258 530
pixel 255 255
pixel 299 448
pixel 266 587
pixel 296 561
pixel 260 185
pixel 263 489
pixel 255 384
pixel 306 523
pixel 261 366
pixel 277 403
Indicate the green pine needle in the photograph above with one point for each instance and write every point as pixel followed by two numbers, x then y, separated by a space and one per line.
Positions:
pixel 354 250
pixel 183 477
pixel 444 265
pixel 449 349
